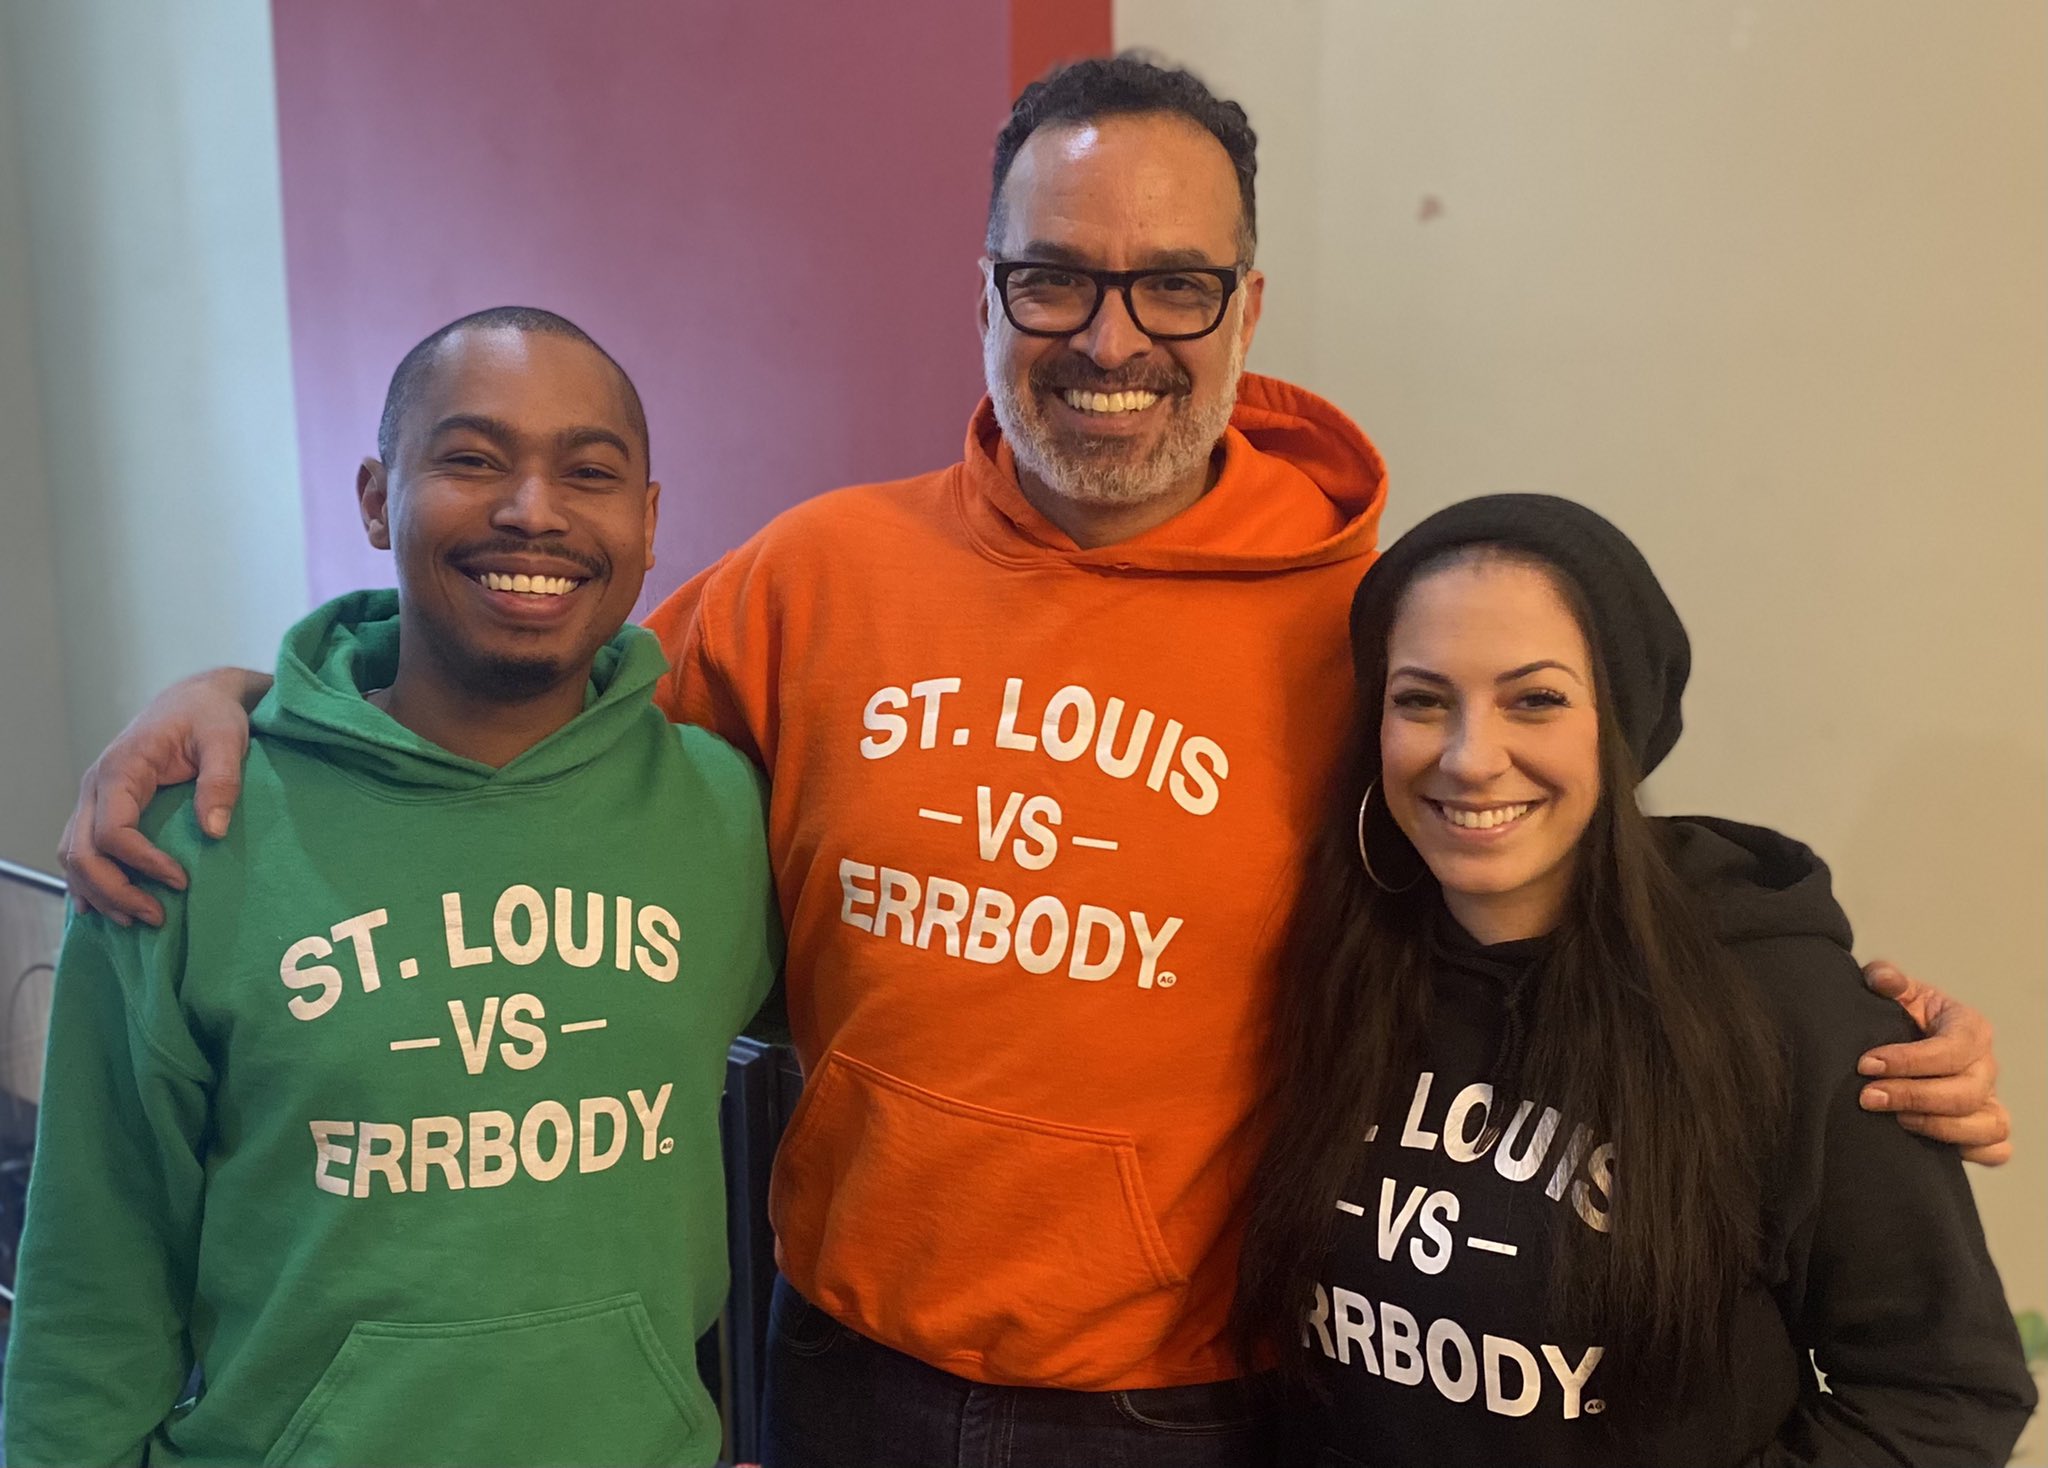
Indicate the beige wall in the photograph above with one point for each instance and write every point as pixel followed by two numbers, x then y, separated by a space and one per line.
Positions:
pixel 1766 284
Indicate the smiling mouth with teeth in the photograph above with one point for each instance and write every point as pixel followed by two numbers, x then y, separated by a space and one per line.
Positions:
pixel 1134 401
pixel 530 585
pixel 1483 820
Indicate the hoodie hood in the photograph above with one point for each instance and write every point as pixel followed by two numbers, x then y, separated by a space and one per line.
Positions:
pixel 1754 883
pixel 349 647
pixel 1300 485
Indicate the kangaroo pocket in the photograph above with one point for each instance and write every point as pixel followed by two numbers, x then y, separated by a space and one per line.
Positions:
pixel 585 1384
pixel 999 1246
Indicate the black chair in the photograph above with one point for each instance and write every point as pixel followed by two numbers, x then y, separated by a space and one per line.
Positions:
pixel 762 1082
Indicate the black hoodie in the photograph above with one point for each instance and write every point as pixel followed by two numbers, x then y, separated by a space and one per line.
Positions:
pixel 1432 1327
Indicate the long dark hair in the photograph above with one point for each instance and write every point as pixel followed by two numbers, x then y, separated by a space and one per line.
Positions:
pixel 1637 1026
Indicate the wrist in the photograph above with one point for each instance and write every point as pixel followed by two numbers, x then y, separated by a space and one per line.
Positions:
pixel 245 686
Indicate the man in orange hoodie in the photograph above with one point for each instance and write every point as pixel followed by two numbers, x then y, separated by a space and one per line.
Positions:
pixel 1046 730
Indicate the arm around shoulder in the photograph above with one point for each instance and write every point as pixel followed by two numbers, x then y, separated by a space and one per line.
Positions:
pixel 197 729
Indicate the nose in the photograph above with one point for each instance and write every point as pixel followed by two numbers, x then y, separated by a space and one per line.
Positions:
pixel 1476 751
pixel 529 506
pixel 1112 338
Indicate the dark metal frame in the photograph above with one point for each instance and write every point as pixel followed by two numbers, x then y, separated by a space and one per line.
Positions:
pixel 1121 282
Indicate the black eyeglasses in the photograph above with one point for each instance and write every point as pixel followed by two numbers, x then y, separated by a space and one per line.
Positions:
pixel 1167 305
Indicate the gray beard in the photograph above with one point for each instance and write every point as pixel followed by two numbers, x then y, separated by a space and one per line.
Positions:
pixel 1102 472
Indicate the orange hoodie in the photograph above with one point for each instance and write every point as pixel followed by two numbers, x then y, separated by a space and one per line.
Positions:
pixel 1035 810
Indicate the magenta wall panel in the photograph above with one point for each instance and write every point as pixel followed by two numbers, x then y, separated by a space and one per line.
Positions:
pixel 768 210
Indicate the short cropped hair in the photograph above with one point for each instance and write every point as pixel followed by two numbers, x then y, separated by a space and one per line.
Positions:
pixel 1129 84
pixel 416 366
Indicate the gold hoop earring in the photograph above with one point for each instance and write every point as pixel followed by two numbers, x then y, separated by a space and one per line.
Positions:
pixel 1366 861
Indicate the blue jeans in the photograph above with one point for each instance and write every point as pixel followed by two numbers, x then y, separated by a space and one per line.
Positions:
pixel 836 1399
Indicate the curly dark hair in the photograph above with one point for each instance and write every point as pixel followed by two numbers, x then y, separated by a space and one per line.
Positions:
pixel 1130 83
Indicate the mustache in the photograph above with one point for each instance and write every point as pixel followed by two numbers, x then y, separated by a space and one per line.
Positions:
pixel 1078 375
pixel 597 566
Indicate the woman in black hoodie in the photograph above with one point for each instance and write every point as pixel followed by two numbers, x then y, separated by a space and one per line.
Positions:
pixel 1572 1170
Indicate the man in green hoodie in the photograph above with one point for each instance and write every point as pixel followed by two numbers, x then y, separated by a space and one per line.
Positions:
pixel 403 1126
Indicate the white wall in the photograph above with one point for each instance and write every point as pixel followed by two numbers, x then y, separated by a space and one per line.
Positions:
pixel 143 346
pixel 35 756
pixel 1765 283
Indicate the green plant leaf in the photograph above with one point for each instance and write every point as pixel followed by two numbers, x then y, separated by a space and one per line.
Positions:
pixel 2033 1335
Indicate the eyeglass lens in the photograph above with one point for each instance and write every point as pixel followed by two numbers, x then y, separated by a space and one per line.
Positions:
pixel 1168 303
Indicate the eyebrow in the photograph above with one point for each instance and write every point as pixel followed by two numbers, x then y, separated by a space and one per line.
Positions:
pixel 501 432
pixel 577 438
pixel 1053 253
pixel 484 426
pixel 1428 675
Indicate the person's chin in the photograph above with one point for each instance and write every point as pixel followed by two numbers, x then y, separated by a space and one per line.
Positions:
pixel 1116 470
pixel 505 670
pixel 1476 875
pixel 1115 454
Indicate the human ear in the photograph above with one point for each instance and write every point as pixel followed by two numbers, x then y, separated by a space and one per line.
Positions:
pixel 653 514
pixel 373 502
pixel 1254 291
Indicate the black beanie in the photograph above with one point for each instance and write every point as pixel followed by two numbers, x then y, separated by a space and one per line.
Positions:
pixel 1643 649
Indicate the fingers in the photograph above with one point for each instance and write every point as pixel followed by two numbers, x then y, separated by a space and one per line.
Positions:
pixel 91 865
pixel 219 757
pixel 1961 1039
pixel 103 886
pixel 70 826
pixel 1952 1096
pixel 192 729
pixel 1996 1156
pixel 1939 1087
pixel 1883 977
pixel 91 880
pixel 117 812
pixel 98 883
pixel 77 903
pixel 1985 1136
pixel 1922 1002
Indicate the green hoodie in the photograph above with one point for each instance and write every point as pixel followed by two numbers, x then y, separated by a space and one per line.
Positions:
pixel 404 1126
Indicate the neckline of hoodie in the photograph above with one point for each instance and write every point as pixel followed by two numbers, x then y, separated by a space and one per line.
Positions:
pixel 389 792
pixel 962 493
